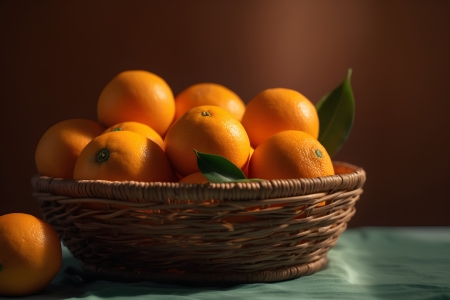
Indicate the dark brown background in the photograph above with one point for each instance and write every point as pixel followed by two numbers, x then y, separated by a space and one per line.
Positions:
pixel 56 56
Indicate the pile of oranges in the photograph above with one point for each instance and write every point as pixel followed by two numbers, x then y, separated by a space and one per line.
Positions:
pixel 145 133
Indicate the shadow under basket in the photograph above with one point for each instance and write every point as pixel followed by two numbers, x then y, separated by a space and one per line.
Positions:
pixel 201 234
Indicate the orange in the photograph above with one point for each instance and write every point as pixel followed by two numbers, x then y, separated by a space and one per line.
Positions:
pixel 140 128
pixel 59 147
pixel 290 154
pixel 279 109
pixel 245 170
pixel 140 96
pixel 30 254
pixel 123 156
pixel 196 177
pixel 208 129
pixel 209 94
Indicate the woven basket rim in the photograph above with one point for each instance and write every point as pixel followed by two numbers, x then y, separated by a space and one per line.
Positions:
pixel 189 228
pixel 133 191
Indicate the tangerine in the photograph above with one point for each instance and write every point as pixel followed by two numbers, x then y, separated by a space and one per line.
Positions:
pixel 137 95
pixel 208 129
pixel 245 170
pixel 123 156
pixel 196 177
pixel 30 254
pixel 279 109
pixel 290 154
pixel 60 146
pixel 209 94
pixel 140 128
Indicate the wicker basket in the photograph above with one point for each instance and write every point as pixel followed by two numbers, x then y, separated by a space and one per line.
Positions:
pixel 201 234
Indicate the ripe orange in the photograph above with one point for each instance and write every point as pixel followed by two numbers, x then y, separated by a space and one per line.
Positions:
pixel 279 109
pixel 123 156
pixel 208 129
pixel 196 177
pixel 140 96
pixel 140 128
pixel 290 154
pixel 209 94
pixel 245 170
pixel 30 254
pixel 59 147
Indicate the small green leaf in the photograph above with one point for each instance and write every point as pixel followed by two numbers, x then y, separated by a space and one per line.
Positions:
pixel 336 114
pixel 217 168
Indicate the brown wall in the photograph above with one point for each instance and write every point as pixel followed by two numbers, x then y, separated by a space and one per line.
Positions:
pixel 57 55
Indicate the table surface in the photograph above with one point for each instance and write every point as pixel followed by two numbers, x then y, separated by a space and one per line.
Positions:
pixel 367 263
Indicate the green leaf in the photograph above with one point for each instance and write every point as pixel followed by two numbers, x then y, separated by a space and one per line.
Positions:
pixel 218 169
pixel 336 113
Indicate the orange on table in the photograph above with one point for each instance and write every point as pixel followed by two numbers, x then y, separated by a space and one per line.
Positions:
pixel 123 156
pixel 30 254
pixel 137 95
pixel 209 94
pixel 279 109
pixel 140 128
pixel 208 129
pixel 60 146
pixel 290 154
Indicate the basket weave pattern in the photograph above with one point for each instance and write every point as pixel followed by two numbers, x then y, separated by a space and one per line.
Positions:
pixel 230 232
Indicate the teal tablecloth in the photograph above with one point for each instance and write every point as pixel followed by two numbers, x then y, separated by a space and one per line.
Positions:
pixel 366 263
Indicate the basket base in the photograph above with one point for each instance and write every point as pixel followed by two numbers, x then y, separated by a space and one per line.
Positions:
pixel 207 279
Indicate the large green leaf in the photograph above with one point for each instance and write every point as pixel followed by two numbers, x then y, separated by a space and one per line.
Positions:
pixel 336 114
